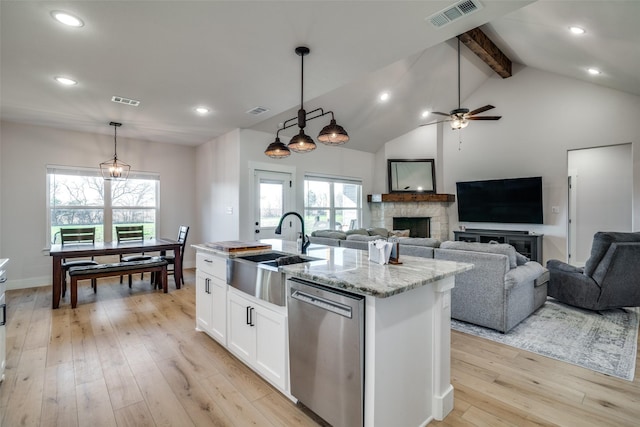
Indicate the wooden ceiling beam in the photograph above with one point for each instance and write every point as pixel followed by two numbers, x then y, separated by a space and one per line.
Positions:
pixel 481 45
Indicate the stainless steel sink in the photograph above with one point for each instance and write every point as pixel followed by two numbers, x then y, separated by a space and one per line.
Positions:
pixel 258 275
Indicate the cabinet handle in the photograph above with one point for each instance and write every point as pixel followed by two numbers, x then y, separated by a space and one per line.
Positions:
pixel 4 315
pixel 207 285
pixel 248 315
pixel 251 317
pixel 208 260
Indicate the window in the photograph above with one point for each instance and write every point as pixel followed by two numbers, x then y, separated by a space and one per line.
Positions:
pixel 332 203
pixel 81 197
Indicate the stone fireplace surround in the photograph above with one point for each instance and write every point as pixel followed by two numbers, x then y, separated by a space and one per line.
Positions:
pixel 433 206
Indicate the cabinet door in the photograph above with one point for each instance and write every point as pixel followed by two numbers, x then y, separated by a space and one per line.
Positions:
pixel 204 301
pixel 218 289
pixel 242 335
pixel 271 345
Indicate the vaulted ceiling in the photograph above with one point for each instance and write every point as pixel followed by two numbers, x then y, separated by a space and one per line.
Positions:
pixel 232 56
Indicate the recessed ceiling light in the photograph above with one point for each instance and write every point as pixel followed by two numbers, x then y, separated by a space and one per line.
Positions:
pixel 425 114
pixel 577 30
pixel 594 71
pixel 384 96
pixel 67 18
pixel 65 81
pixel 202 110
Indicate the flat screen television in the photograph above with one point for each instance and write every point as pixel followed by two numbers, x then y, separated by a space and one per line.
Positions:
pixel 517 200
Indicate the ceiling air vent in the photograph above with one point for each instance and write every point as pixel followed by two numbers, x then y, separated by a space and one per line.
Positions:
pixel 126 101
pixel 256 111
pixel 458 10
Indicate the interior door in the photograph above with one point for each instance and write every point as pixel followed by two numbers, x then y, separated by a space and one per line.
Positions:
pixel 273 195
pixel 603 199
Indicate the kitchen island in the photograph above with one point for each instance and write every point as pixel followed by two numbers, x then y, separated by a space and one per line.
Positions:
pixel 407 328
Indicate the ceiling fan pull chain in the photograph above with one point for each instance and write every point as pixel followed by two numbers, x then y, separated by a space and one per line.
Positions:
pixel 459 141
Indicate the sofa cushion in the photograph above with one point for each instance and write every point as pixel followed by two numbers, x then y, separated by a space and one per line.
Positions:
pixel 497 248
pixel 419 241
pixel 601 242
pixel 361 238
pixel 362 231
pixel 376 231
pixel 332 234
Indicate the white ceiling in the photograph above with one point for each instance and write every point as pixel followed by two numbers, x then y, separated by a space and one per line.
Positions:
pixel 233 56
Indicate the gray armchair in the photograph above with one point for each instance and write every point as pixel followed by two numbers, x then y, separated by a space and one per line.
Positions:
pixel 609 279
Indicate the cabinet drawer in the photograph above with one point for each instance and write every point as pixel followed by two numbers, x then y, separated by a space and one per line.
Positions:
pixel 213 265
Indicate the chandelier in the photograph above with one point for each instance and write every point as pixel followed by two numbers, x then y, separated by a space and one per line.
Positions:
pixel 114 169
pixel 332 134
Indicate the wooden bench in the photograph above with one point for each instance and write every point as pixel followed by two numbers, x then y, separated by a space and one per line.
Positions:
pixel 153 265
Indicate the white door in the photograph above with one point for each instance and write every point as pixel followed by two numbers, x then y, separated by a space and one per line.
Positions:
pixel 600 197
pixel 273 196
pixel 218 289
pixel 271 345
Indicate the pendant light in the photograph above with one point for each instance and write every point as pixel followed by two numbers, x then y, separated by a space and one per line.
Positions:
pixel 114 169
pixel 332 134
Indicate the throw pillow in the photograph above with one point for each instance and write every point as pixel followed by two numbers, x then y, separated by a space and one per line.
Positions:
pixel 361 238
pixel 399 233
pixel 521 259
pixel 360 231
pixel 376 231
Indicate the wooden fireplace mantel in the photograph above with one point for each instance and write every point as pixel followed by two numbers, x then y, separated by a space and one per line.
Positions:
pixel 415 197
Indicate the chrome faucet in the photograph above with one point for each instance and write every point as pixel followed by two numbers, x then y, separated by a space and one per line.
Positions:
pixel 305 239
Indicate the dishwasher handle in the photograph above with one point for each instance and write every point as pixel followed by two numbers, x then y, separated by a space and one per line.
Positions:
pixel 323 303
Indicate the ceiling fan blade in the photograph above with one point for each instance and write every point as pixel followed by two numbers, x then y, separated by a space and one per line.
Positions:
pixel 440 114
pixel 434 123
pixel 481 110
pixel 484 118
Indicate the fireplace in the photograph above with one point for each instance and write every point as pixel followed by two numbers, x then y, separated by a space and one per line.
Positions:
pixel 417 226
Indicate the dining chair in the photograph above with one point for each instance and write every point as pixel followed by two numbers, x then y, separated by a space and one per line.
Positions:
pixel 83 236
pixel 131 233
pixel 183 231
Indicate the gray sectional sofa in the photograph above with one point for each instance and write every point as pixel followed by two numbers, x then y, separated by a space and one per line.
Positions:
pixel 501 290
pixel 360 238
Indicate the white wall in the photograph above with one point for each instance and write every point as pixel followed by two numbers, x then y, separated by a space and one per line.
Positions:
pixel 218 188
pixel 418 144
pixel 543 116
pixel 27 150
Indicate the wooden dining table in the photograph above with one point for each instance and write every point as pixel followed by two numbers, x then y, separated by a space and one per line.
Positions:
pixel 60 252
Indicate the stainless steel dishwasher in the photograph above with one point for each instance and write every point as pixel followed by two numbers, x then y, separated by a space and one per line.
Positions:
pixel 326 350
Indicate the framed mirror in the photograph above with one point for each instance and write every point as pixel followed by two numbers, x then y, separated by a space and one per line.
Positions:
pixel 411 176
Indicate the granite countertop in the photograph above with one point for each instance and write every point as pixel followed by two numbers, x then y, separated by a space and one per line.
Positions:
pixel 350 269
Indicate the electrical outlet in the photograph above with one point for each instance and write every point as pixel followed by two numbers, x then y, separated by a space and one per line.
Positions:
pixel 555 209
pixel 229 210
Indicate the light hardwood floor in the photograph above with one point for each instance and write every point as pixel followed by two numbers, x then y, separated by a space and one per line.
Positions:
pixel 133 358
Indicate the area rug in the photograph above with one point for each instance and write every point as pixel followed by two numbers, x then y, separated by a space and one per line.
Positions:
pixel 604 342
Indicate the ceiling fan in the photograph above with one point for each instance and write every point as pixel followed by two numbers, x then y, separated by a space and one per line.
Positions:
pixel 460 117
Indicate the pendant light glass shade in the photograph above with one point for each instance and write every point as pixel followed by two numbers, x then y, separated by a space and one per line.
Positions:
pixel 277 150
pixel 301 143
pixel 333 134
pixel 114 169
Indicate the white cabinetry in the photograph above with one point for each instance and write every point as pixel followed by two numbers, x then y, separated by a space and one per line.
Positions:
pixel 211 296
pixel 258 335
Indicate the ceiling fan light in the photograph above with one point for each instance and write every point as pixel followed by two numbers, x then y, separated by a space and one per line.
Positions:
pixel 277 150
pixel 301 143
pixel 459 123
pixel 333 134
